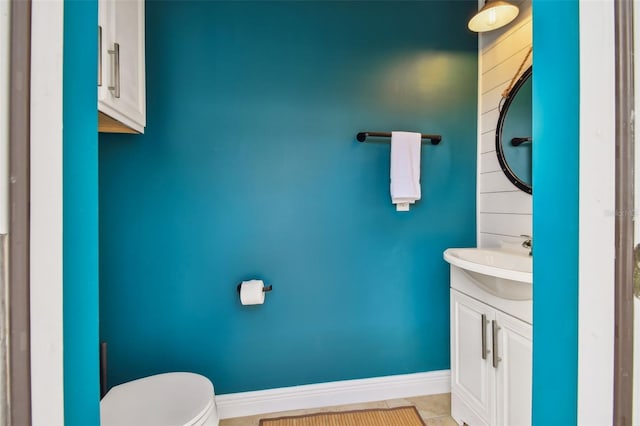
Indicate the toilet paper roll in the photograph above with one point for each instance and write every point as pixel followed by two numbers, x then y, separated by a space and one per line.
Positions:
pixel 251 292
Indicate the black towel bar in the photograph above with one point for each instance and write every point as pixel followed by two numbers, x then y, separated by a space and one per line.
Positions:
pixel 362 136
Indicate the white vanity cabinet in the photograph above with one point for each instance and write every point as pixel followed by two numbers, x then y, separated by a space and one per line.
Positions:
pixel 491 367
pixel 121 62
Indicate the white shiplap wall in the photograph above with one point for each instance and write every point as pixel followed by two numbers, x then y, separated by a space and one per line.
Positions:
pixel 504 211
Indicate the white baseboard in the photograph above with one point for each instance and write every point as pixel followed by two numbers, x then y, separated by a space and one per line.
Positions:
pixel 333 393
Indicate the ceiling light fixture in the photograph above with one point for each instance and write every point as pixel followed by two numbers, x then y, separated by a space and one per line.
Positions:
pixel 493 15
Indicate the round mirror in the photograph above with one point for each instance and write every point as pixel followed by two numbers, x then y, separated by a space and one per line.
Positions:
pixel 513 135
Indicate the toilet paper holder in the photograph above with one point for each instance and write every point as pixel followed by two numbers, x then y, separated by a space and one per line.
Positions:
pixel 265 289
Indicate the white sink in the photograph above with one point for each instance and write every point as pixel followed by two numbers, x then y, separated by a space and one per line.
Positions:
pixel 501 273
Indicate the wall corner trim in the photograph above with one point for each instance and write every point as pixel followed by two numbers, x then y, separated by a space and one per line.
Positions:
pixel 333 393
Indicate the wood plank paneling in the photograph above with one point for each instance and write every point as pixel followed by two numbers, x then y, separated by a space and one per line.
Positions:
pixel 490 100
pixel 487 142
pixel 497 53
pixel 495 181
pixel 504 212
pixel 505 202
pixel 503 72
pixel 489 163
pixel 505 223
pixel 489 120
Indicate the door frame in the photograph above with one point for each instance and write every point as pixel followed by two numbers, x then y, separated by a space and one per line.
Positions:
pixel 596 312
pixel 19 391
pixel 624 238
pixel 46 239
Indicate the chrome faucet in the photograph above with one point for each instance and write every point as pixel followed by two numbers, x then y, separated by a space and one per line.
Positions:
pixel 528 243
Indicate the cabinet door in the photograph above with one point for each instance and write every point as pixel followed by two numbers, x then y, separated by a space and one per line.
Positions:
pixel 122 93
pixel 471 375
pixel 514 371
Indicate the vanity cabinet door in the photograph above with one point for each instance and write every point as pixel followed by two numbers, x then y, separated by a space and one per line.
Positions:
pixel 514 371
pixel 472 378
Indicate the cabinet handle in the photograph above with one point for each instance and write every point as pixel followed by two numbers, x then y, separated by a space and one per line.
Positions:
pixel 116 67
pixel 483 324
pixel 494 343
pixel 99 55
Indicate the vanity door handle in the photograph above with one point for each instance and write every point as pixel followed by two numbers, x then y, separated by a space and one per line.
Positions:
pixel 494 343
pixel 483 321
pixel 115 88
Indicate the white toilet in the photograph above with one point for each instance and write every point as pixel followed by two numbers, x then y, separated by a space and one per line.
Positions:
pixel 170 399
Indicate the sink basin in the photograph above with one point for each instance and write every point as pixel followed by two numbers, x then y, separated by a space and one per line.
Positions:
pixel 504 274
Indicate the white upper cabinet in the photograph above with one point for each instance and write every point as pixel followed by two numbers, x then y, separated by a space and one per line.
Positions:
pixel 121 75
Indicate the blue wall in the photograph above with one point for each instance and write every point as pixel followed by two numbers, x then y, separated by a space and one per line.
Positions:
pixel 80 219
pixel 249 168
pixel 556 111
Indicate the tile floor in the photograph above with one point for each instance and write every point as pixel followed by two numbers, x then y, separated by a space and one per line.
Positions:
pixel 435 410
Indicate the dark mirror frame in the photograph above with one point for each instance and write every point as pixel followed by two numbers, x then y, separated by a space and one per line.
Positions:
pixel 503 115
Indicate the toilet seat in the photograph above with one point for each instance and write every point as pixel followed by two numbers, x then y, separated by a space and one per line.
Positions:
pixel 170 399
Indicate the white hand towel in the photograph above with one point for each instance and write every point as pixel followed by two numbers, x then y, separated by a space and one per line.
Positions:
pixel 405 169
